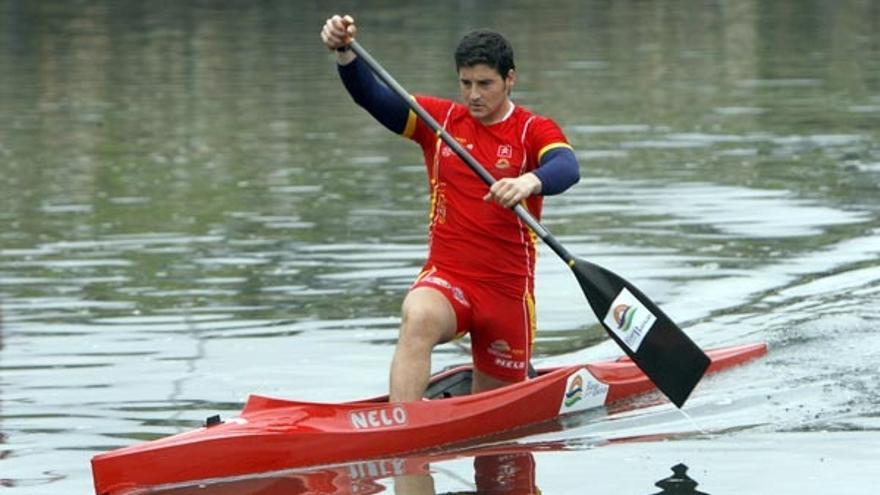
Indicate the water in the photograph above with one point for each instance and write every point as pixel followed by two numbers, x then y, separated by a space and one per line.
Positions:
pixel 191 210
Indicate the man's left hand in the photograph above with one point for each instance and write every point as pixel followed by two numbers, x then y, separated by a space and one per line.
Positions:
pixel 510 191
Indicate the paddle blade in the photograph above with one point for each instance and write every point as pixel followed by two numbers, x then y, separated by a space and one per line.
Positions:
pixel 662 350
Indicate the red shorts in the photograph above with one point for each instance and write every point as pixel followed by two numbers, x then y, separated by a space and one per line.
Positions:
pixel 501 326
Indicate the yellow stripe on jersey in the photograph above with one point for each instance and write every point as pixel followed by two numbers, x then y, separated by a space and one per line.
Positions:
pixel 552 146
pixel 432 207
pixel 532 315
pixel 410 125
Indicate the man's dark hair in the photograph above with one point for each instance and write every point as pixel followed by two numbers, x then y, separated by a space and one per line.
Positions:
pixel 484 46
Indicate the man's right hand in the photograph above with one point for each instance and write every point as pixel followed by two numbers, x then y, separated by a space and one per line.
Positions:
pixel 338 32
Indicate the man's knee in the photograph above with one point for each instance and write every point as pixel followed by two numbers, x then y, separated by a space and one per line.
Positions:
pixel 426 323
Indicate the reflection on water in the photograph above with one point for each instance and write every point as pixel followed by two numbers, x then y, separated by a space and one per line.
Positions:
pixel 192 209
pixel 502 471
pixel 4 452
pixel 505 470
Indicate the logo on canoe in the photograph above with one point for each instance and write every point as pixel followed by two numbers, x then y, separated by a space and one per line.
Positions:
pixel 582 391
pixel 575 391
pixel 372 419
pixel 629 319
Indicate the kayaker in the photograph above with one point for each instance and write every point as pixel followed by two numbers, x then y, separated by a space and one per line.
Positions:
pixel 479 275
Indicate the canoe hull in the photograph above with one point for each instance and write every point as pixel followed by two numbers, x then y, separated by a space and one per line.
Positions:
pixel 273 434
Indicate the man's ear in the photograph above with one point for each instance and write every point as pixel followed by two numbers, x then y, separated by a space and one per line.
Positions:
pixel 511 80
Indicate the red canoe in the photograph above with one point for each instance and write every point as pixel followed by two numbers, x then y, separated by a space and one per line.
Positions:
pixel 274 434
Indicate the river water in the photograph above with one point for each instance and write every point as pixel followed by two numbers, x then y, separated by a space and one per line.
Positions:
pixel 192 210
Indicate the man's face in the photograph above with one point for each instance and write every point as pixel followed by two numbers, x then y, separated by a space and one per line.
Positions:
pixel 485 92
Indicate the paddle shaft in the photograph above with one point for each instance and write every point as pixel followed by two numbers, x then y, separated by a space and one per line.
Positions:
pixel 471 162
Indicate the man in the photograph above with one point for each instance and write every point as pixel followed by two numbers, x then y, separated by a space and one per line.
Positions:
pixel 479 275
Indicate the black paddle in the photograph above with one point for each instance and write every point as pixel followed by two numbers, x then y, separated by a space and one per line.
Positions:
pixel 662 350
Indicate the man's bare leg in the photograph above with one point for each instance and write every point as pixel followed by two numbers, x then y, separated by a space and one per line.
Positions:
pixel 482 382
pixel 428 320
pixel 414 484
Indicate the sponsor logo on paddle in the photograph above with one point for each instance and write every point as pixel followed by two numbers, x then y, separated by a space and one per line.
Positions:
pixel 629 319
pixel 582 391
pixel 386 417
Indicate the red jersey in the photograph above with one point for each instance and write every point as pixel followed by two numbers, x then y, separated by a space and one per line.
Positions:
pixel 469 236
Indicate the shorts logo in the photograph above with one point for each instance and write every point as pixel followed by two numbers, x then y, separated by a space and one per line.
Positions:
pixel 434 280
pixel 504 355
pixel 499 346
pixel 458 294
pixel 510 364
pixel 500 349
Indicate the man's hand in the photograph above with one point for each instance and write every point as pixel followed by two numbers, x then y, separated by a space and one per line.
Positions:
pixel 338 31
pixel 510 191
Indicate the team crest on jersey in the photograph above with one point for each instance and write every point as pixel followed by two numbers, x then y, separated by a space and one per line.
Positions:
pixel 505 153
